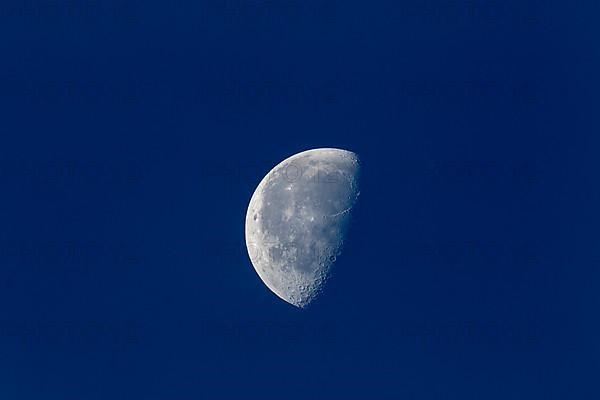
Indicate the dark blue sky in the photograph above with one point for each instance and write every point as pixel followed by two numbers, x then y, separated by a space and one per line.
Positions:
pixel 132 135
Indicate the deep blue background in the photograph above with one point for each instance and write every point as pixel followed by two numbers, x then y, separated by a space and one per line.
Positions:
pixel 181 109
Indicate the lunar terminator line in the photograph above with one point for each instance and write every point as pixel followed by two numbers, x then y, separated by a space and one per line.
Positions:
pixel 297 220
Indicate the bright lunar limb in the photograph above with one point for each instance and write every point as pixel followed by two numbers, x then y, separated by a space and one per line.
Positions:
pixel 297 220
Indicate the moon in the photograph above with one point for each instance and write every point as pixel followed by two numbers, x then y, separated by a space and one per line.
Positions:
pixel 297 221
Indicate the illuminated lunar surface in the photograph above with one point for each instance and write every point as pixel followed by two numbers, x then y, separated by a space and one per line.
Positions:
pixel 297 221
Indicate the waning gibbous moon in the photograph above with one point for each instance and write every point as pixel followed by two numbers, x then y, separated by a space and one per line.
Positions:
pixel 297 221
